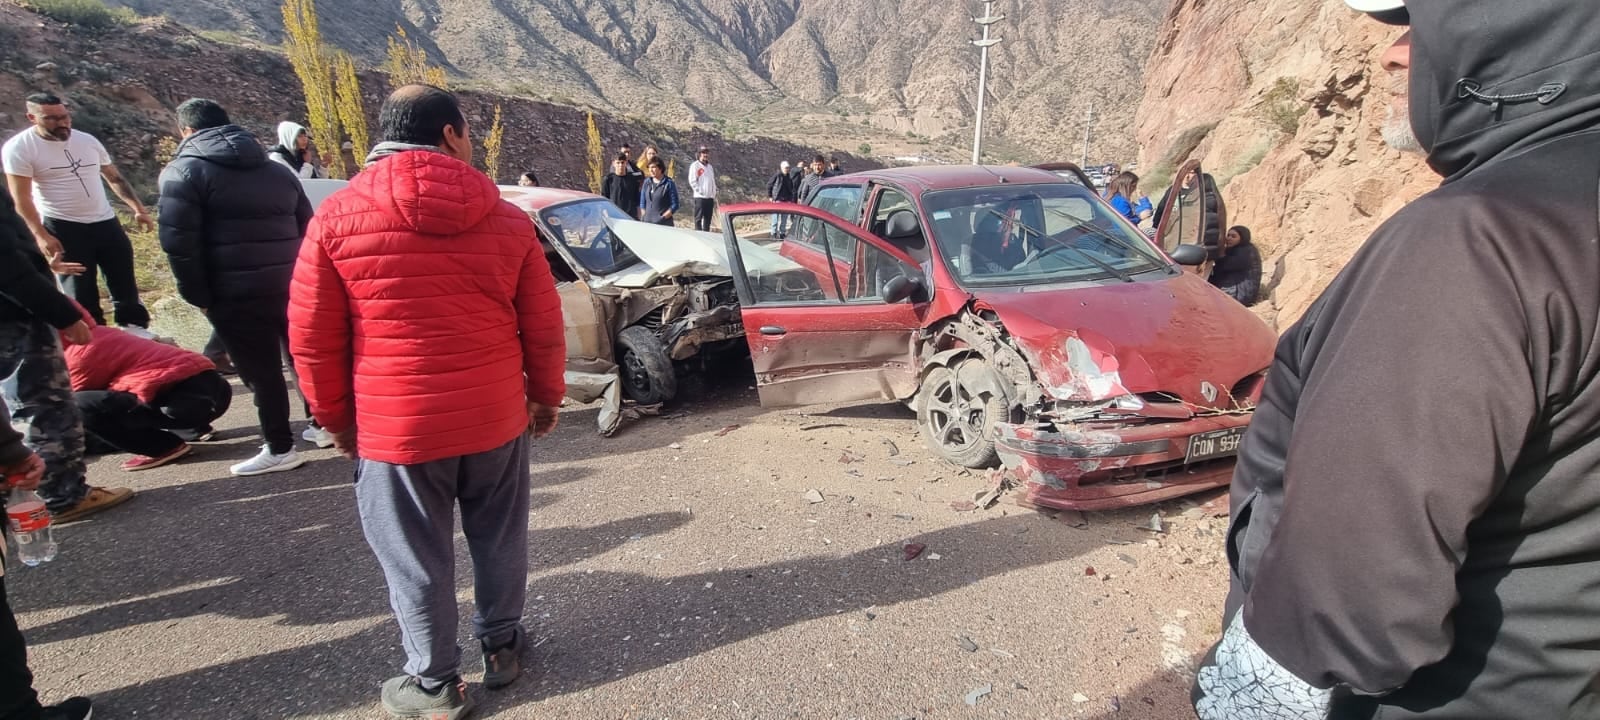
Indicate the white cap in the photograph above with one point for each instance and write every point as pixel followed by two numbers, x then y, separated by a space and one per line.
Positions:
pixel 785 165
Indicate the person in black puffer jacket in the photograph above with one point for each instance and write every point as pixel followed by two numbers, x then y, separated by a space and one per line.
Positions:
pixel 1238 271
pixel 231 224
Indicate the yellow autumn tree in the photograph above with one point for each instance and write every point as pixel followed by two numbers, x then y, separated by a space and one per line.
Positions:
pixel 304 45
pixel 672 168
pixel 493 143
pixel 597 156
pixel 408 63
pixel 352 112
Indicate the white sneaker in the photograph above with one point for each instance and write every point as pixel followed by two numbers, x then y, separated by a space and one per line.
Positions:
pixel 317 436
pixel 266 462
pixel 145 333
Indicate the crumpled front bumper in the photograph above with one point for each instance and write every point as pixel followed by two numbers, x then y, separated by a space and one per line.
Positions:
pixel 1105 469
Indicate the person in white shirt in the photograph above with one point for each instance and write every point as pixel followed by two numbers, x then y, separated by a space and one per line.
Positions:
pixel 703 182
pixel 55 173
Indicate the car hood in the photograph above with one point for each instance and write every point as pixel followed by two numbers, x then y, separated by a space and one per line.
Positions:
pixel 669 252
pixel 1178 336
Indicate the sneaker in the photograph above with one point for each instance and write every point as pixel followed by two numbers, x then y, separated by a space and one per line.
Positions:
pixel 317 436
pixel 224 365
pixel 503 666
pixel 404 697
pixel 142 332
pixel 266 462
pixel 145 462
pixel 97 500
pixel 78 708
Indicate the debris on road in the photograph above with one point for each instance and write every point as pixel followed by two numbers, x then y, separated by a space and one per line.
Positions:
pixel 967 644
pixel 1003 654
pixel 986 499
pixel 1073 518
pixel 1080 698
pixel 1129 559
pixel 1116 704
pixel 963 506
pixel 935 556
pixel 848 457
pixel 727 430
pixel 675 446
pixel 814 496
pixel 1156 525
pixel 1089 571
pixel 978 694
pixel 912 550
pixel 893 448
pixel 853 473
pixel 902 462
pixel 899 516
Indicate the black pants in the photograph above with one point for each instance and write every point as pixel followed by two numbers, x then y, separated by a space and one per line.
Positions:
pixel 118 418
pixel 18 701
pixel 704 208
pixel 214 351
pixel 102 248
pixel 256 335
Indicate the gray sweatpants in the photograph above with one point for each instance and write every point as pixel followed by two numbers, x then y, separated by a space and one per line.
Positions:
pixel 407 513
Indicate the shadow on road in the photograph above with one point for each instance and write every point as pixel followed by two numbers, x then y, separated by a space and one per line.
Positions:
pixel 592 613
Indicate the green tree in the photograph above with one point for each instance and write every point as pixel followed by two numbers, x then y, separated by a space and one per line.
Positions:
pixel 310 64
pixel 865 150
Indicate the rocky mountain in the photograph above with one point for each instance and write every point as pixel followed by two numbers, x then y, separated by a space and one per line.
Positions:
pixel 882 67
pixel 1282 101
pixel 124 82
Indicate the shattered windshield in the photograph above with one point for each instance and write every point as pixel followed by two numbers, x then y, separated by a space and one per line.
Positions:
pixel 582 228
pixel 1029 234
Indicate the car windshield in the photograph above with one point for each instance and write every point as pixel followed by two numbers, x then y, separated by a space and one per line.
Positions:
pixel 582 227
pixel 1030 234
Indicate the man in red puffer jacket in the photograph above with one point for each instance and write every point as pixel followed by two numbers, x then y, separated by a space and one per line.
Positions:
pixel 428 335
pixel 143 397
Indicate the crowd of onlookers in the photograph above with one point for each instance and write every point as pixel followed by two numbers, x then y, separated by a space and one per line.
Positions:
pixel 1234 265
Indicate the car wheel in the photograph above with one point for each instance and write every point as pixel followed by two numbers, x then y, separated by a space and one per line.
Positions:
pixel 956 421
pixel 647 373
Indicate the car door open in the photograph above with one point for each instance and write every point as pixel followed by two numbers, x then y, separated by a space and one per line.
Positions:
pixel 838 330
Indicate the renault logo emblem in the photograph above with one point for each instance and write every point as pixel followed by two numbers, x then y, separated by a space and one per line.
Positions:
pixel 1208 391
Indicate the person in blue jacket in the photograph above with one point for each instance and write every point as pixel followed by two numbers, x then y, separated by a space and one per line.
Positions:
pixel 658 196
pixel 1123 194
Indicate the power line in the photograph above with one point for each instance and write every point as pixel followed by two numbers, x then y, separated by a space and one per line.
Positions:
pixel 989 18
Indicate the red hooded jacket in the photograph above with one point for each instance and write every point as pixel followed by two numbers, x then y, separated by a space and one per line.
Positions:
pixel 128 363
pixel 423 313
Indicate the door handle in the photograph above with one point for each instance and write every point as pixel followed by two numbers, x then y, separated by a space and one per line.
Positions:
pixel 773 330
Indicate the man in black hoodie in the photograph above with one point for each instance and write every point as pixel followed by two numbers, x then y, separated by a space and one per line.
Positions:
pixel 231 224
pixel 1416 512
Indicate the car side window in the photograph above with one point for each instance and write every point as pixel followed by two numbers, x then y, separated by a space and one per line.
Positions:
pixel 874 270
pixel 786 259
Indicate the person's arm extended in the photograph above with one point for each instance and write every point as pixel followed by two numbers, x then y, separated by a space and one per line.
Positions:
pixel 544 342
pixel 124 191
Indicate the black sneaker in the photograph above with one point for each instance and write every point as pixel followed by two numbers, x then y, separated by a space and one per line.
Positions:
pixel 502 666
pixel 404 697
pixel 78 708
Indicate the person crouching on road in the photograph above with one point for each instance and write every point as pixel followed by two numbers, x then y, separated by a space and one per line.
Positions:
pixel 428 332
pixel 135 392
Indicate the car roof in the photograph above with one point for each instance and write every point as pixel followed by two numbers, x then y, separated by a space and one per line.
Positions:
pixel 924 178
pixel 534 199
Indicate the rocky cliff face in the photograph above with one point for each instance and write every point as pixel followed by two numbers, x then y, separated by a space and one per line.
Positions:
pixel 123 85
pixel 1282 101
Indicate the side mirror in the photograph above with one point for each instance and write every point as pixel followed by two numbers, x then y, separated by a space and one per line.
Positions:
pixel 1191 255
pixel 900 289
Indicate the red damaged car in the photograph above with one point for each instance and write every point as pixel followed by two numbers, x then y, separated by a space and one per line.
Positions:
pixel 1023 318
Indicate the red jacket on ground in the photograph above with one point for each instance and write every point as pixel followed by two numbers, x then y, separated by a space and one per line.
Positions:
pixel 423 313
pixel 128 363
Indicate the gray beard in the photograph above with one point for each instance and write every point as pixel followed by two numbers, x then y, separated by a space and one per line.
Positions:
pixel 1400 136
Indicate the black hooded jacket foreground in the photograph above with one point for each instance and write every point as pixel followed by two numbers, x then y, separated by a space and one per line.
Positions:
pixel 1417 504
pixel 231 222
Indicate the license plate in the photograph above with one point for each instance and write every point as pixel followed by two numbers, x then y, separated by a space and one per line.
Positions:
pixel 1214 444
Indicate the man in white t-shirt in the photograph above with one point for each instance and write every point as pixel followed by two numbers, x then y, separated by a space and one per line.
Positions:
pixel 55 173
pixel 703 181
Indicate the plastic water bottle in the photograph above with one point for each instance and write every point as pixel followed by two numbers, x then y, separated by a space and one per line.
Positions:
pixel 30 527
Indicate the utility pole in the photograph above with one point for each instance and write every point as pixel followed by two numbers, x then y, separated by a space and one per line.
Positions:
pixel 989 18
pixel 1088 127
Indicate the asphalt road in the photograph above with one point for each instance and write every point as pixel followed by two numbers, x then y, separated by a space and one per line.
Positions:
pixel 676 572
